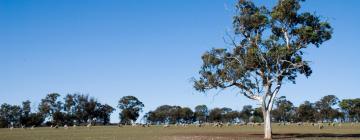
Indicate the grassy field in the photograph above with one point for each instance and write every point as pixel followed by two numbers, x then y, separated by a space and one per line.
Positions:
pixel 180 133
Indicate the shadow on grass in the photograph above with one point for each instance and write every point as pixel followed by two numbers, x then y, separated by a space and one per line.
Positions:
pixel 312 135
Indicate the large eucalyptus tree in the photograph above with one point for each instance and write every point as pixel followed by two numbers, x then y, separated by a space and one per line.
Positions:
pixel 267 50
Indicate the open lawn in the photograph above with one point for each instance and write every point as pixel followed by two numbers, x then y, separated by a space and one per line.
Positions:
pixel 180 133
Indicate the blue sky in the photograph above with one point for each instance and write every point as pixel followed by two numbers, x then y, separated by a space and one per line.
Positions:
pixel 150 49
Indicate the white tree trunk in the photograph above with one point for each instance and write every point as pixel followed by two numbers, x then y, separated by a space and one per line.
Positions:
pixel 267 124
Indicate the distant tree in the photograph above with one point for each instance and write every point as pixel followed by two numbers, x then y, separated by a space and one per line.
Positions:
pixel 324 107
pixel 27 118
pixel 69 104
pixel 15 114
pixel 161 114
pixel 34 119
pixel 77 108
pixel 284 109
pixel 84 107
pixel 19 116
pixel 130 107
pixel 267 51
pixel 59 118
pixel 306 112
pixel 91 107
pixel 26 108
pixel 49 105
pixel 104 112
pixel 215 115
pixel 228 115
pixel 175 116
pixel 4 116
pixel 225 110
pixel 151 118
pixel 69 109
pixel 246 113
pixel 10 114
pixel 80 114
pixel 351 108
pixel 167 114
pixel 3 122
pixel 257 115
pixel 231 116
pixel 186 115
pixel 201 113
pixel 336 114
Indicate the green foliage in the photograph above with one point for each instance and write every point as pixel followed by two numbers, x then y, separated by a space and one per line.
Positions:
pixel 130 108
pixel 50 104
pixel 201 113
pixel 34 119
pixel 104 112
pixel 26 108
pixel 246 113
pixel 28 118
pixel 215 115
pixel 267 49
pixel 306 112
pixel 83 109
pixel 231 116
pixel 161 114
pixel 167 114
pixel 257 115
pixel 77 109
pixel 284 110
pixel 3 122
pixel 351 108
pixel 69 105
pixel 186 115
pixel 224 115
pixel 324 107
pixel 10 114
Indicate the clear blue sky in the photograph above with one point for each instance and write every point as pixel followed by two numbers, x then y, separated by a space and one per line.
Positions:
pixel 150 49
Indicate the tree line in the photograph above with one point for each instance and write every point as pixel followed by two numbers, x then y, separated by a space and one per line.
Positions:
pixel 320 111
pixel 81 109
pixel 72 109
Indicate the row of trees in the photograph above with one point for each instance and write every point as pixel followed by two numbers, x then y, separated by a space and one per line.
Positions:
pixel 321 111
pixel 167 114
pixel 81 109
pixel 74 109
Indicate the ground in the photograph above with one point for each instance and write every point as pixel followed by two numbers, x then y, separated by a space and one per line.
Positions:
pixel 346 131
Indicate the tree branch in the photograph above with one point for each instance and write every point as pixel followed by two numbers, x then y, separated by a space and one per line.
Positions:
pixel 248 93
pixel 272 97
pixel 286 36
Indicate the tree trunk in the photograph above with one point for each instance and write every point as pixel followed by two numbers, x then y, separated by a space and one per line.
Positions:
pixel 267 124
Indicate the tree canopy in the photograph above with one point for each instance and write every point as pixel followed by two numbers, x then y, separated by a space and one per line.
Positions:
pixel 351 108
pixel 267 49
pixel 130 107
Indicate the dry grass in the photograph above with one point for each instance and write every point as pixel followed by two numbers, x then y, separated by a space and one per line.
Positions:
pixel 180 133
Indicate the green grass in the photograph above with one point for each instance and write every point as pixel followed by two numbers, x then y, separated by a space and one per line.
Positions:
pixel 180 133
